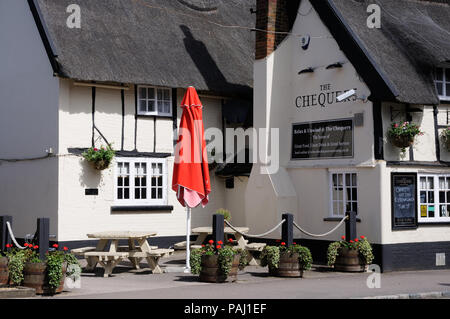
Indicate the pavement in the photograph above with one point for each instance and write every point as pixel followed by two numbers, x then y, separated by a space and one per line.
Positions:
pixel 255 283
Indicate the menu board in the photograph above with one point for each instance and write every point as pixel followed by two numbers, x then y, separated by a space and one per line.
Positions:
pixel 404 200
pixel 327 139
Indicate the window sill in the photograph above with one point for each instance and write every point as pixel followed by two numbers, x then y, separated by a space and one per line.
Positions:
pixel 420 224
pixel 338 219
pixel 154 115
pixel 156 208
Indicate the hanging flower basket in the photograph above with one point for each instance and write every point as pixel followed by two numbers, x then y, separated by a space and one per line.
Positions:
pixel 402 141
pixel 101 165
pixel 402 134
pixel 100 158
pixel 446 138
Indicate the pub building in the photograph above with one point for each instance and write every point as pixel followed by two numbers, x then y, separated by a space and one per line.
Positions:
pixel 118 79
pixel 333 80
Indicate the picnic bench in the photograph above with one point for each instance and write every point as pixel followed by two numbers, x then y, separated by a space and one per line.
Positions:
pixel 135 253
pixel 203 233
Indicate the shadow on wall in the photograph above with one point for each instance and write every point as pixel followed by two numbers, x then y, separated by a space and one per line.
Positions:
pixel 89 177
pixel 213 76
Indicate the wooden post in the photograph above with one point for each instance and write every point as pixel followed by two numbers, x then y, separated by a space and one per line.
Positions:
pixel 218 229
pixel 5 238
pixel 350 226
pixel 43 236
pixel 287 229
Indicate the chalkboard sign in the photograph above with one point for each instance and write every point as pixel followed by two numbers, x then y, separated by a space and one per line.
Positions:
pixel 320 140
pixel 404 200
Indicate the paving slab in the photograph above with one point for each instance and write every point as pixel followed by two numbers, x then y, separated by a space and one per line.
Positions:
pixel 255 283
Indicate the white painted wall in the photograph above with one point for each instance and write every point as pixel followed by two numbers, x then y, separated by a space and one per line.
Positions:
pixel 28 121
pixel 301 187
pixel 80 214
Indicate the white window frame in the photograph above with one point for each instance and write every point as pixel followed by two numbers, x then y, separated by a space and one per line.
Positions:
pixel 446 95
pixel 155 99
pixel 437 204
pixel 332 213
pixel 140 202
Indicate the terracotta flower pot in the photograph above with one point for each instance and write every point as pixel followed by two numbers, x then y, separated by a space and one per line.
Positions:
pixel 402 141
pixel 35 276
pixel 210 271
pixel 349 260
pixel 4 271
pixel 288 266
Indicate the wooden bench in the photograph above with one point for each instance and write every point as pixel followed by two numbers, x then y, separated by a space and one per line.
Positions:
pixel 182 246
pixel 81 251
pixel 107 259
pixel 253 249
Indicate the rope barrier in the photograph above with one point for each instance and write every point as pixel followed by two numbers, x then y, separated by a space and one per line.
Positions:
pixel 12 236
pixel 321 235
pixel 255 236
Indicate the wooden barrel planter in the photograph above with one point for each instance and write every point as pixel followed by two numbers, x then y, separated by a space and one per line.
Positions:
pixel 349 260
pixel 288 266
pixel 35 276
pixel 210 271
pixel 4 271
pixel 402 141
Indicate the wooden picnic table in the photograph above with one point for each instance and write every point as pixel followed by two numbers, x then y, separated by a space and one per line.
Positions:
pixel 135 253
pixel 203 232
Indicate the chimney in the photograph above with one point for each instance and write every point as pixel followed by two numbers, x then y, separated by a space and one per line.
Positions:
pixel 271 16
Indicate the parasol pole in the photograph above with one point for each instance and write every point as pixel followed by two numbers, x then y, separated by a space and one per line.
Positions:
pixel 188 239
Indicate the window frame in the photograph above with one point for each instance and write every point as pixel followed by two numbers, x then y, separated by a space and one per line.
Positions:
pixel 140 202
pixel 345 186
pixel 437 203
pixel 445 95
pixel 156 112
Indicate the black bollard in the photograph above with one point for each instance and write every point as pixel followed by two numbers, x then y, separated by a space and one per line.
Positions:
pixel 287 229
pixel 5 238
pixel 218 231
pixel 43 236
pixel 350 226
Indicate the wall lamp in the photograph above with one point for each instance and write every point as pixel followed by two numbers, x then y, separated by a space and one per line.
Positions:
pixel 334 66
pixel 308 70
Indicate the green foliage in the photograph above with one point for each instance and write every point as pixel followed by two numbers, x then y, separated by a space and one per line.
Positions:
pixel 270 256
pixel 226 213
pixel 94 154
pixel 243 259
pixel 16 262
pixel 333 252
pixel 195 261
pixel 55 274
pixel 304 256
pixel 405 129
pixel 361 244
pixel 365 250
pixel 225 257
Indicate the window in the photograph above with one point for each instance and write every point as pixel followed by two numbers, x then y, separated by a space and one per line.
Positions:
pixel 434 198
pixel 154 101
pixel 442 81
pixel 141 181
pixel 344 193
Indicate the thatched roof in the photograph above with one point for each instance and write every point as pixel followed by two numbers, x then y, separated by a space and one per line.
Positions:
pixel 414 37
pixel 173 43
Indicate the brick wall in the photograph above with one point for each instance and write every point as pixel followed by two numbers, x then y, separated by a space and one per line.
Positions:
pixel 272 17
